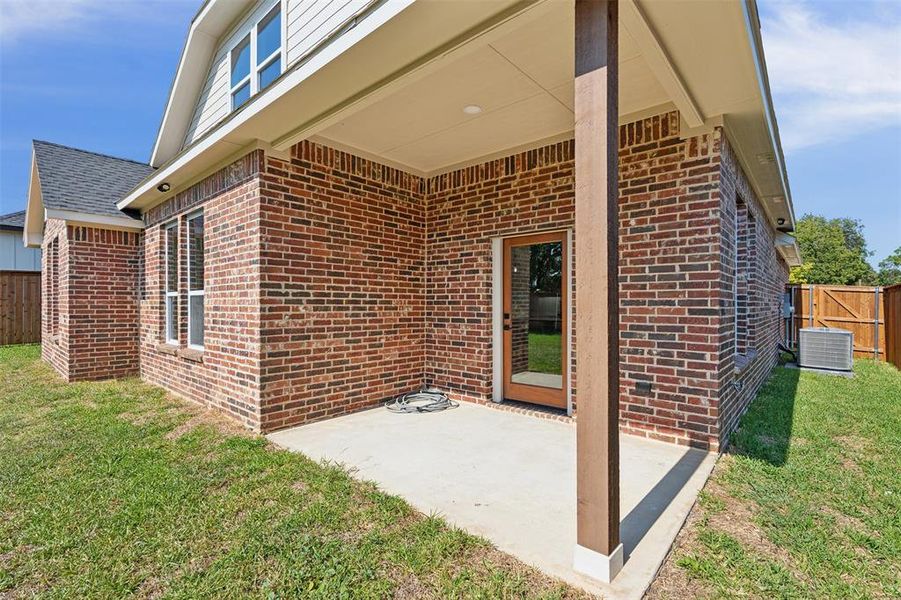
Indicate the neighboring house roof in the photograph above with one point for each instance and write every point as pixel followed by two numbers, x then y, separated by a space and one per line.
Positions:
pixel 13 221
pixel 80 187
pixel 86 182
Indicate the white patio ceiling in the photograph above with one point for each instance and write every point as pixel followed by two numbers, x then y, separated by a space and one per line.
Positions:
pixel 394 87
pixel 522 80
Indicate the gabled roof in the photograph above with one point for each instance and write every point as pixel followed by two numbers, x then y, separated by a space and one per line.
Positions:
pixel 13 221
pixel 78 186
pixel 85 182
pixel 211 21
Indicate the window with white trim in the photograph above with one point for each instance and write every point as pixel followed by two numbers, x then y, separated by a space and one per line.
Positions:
pixel 195 280
pixel 171 322
pixel 256 61
pixel 744 286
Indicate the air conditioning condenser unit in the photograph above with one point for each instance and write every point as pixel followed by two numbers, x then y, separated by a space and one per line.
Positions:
pixel 826 348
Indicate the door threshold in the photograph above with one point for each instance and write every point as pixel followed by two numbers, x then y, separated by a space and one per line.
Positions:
pixel 533 410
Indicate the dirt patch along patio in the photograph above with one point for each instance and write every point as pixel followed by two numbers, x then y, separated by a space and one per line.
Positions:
pixel 117 489
pixel 511 478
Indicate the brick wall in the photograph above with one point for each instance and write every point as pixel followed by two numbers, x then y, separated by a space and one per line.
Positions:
pixel 55 297
pixel 675 282
pixel 524 193
pixel 102 303
pixel 226 374
pixel 333 283
pixel 89 304
pixel 669 281
pixel 343 289
pixel 745 364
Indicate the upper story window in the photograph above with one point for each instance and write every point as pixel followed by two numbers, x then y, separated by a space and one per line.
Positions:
pixel 195 281
pixel 256 61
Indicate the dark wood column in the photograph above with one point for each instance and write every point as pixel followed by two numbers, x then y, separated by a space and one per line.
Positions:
pixel 598 552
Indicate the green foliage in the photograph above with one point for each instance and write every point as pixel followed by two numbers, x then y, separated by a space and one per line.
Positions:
pixel 834 252
pixel 545 267
pixel 545 353
pixel 890 269
pixel 107 490
pixel 806 503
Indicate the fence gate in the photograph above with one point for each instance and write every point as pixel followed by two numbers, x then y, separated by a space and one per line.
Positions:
pixel 20 307
pixel 858 309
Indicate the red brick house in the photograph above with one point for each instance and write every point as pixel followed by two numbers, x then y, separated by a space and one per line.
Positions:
pixel 580 206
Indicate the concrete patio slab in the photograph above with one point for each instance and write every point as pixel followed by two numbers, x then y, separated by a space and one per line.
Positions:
pixel 511 479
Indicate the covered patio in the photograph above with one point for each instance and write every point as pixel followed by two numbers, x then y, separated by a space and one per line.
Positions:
pixel 537 75
pixel 511 478
pixel 406 163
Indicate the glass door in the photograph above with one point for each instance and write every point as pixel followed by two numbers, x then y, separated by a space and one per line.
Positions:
pixel 535 328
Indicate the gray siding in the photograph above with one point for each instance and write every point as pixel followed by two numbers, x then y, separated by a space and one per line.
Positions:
pixel 14 256
pixel 304 24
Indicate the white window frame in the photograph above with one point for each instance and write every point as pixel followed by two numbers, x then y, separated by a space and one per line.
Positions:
pixel 256 69
pixel 736 240
pixel 192 293
pixel 248 78
pixel 170 339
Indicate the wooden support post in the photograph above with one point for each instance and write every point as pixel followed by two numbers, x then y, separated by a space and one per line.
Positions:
pixel 598 551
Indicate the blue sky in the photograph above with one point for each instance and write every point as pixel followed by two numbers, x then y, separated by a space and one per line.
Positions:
pixel 98 77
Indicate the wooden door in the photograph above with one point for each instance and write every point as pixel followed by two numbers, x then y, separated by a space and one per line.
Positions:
pixel 535 325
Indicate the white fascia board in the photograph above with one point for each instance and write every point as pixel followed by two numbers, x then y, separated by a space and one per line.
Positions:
pixel 33 240
pixel 660 63
pixel 752 25
pixel 71 216
pixel 33 232
pixel 206 29
pixel 264 100
pixel 788 248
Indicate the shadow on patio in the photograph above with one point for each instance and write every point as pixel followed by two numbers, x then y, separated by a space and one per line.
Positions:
pixel 511 479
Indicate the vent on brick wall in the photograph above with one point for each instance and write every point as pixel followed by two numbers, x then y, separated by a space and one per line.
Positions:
pixel 826 348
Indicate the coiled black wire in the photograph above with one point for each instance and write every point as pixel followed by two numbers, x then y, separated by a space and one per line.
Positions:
pixel 423 401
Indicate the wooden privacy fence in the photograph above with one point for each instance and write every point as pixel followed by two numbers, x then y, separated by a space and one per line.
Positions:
pixel 20 307
pixel 892 303
pixel 858 309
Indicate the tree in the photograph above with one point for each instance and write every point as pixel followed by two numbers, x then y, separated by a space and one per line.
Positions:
pixel 834 252
pixel 890 269
pixel 546 267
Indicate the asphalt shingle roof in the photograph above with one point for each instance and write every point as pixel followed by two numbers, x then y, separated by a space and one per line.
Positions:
pixel 14 220
pixel 86 182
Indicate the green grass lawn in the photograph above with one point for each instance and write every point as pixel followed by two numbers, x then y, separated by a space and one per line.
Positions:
pixel 115 489
pixel 544 353
pixel 807 503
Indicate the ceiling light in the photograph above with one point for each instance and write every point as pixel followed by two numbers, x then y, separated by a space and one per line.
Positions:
pixel 472 109
pixel 780 221
pixel 164 187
